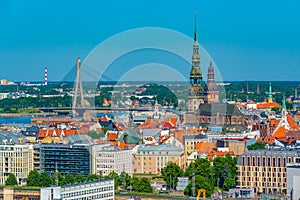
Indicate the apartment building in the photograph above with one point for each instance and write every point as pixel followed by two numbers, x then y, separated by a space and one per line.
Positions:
pixel 190 142
pixel 265 170
pixel 16 159
pixel 152 159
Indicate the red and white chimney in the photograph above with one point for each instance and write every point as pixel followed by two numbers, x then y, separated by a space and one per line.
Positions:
pixel 46 76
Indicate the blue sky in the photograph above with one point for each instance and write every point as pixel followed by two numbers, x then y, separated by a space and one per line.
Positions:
pixel 248 40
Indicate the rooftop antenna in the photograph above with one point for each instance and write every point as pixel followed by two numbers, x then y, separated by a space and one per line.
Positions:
pixel 193 183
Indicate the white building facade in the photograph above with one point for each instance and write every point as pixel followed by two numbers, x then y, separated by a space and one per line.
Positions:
pixel 100 189
pixel 111 159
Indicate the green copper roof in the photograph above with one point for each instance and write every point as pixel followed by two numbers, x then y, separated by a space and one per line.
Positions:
pixel 132 136
pixel 283 103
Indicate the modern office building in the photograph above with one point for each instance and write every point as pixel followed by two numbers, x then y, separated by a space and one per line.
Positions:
pixel 265 170
pixel 66 158
pixel 112 159
pixel 152 159
pixel 100 189
pixel 15 159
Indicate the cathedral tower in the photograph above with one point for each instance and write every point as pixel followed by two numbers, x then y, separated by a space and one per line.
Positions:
pixel 212 94
pixel 196 92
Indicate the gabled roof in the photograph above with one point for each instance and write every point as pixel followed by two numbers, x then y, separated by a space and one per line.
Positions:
pixel 280 132
pixel 55 132
pixel 205 147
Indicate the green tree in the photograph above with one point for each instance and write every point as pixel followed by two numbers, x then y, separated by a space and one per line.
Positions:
pixel 115 176
pixel 126 180
pixel 33 178
pixel 200 183
pixel 69 179
pixel 45 180
pixel 141 185
pixel 224 168
pixel 256 146
pixel 200 167
pixel 61 179
pixel 229 183
pixel 92 177
pixel 11 180
pixel 203 172
pixel 80 178
pixel 171 173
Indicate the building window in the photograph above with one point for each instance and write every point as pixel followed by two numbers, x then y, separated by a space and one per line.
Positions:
pixel 248 161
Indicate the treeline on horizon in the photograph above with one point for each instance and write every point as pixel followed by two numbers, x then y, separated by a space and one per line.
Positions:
pixel 233 91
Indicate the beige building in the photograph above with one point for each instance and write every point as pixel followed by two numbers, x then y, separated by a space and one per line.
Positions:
pixel 152 159
pixel 190 142
pixel 265 170
pixel 9 193
pixel 16 159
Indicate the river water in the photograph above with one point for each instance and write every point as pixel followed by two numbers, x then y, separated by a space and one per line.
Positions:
pixel 15 120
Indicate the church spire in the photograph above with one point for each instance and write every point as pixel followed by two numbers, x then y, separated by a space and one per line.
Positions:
pixel 270 99
pixel 283 103
pixel 195 29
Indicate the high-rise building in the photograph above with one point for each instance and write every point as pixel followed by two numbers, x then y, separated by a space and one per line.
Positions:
pixel 16 159
pixel 196 91
pixel 72 158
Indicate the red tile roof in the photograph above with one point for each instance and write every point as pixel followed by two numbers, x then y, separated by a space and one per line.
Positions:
pixel 55 132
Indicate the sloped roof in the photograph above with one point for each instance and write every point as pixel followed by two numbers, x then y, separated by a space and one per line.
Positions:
pixel 292 123
pixel 221 108
pixel 280 132
pixel 205 147
pixel 55 132
pixel 132 137
pixel 266 105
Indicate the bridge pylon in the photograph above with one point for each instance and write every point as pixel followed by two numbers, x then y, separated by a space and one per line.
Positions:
pixel 78 90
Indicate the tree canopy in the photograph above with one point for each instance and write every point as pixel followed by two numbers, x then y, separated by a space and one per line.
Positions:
pixel 256 146
pixel 11 180
pixel 171 173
